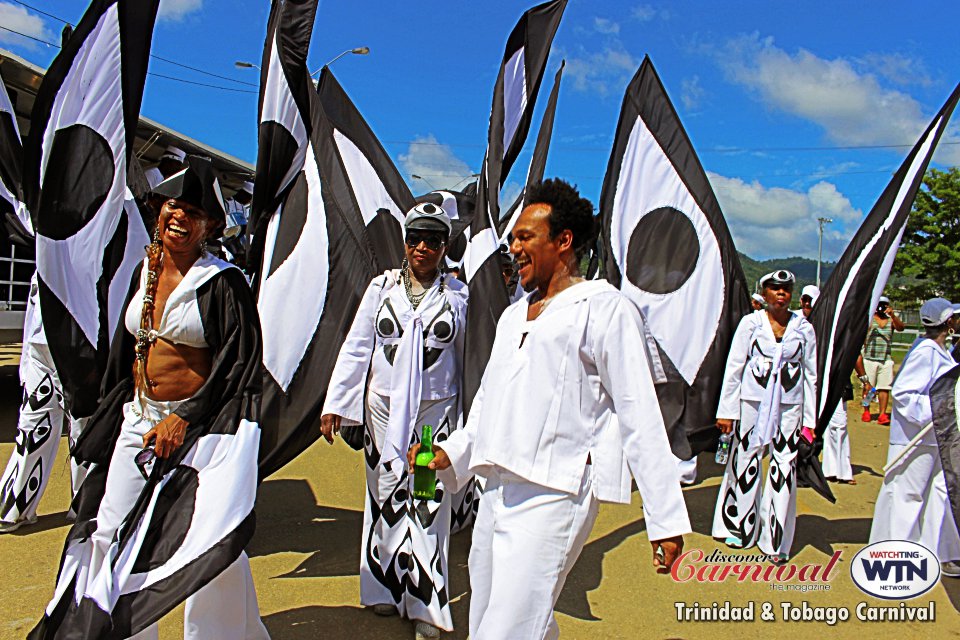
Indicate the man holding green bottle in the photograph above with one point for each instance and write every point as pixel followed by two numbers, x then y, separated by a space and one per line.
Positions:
pixel 565 412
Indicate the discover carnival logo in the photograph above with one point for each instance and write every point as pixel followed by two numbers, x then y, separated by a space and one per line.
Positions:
pixel 895 569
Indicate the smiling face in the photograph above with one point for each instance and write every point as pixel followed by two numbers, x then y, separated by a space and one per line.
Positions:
pixel 183 226
pixel 536 254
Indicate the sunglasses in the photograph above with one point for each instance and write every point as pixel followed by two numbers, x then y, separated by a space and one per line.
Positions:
pixel 431 241
pixel 143 458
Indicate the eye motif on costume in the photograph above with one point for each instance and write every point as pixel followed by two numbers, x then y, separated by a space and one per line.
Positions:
pixel 790 370
pixel 42 394
pixel 759 364
pixel 389 328
pixel 438 335
pixel 439 332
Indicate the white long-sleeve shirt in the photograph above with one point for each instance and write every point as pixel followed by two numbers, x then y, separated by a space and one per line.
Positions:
pixel 748 366
pixel 547 401
pixel 375 335
pixel 926 362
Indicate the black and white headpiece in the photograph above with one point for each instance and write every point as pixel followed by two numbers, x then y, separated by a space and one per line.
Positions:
pixel 428 217
pixel 198 184
pixel 781 276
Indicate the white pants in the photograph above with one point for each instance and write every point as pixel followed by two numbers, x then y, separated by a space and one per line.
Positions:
pixel 836 446
pixel 767 520
pixel 226 608
pixel 525 541
pixel 913 503
pixel 688 470
pixel 38 437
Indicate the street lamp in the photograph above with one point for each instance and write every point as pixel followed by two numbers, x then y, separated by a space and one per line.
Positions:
pixel 822 222
pixel 240 64
pixel 360 51
pixel 472 176
pixel 416 177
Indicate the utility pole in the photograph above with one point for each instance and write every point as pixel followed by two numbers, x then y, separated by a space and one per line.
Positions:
pixel 822 222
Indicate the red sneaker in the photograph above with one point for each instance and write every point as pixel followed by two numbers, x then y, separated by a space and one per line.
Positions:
pixel 883 419
pixel 867 416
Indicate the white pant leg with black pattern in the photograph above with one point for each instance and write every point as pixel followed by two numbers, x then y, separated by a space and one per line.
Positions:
pixel 765 518
pixel 403 555
pixel 37 439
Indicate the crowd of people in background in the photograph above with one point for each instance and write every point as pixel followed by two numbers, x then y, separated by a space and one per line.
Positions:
pixel 567 356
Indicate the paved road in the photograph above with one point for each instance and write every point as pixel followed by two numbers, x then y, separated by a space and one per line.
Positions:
pixel 305 557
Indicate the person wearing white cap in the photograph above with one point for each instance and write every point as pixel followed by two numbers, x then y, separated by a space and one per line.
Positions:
pixel 876 360
pixel 172 161
pixel 400 367
pixel 756 301
pixel 836 439
pixel 913 503
pixel 769 387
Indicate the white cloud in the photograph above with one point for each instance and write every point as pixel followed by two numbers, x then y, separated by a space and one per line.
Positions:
pixel 435 163
pixel 601 72
pixel 648 13
pixel 603 25
pixel 897 68
pixel 691 93
pixel 851 105
pixel 769 222
pixel 17 18
pixel 177 10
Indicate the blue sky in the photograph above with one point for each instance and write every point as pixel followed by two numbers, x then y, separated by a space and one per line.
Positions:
pixel 795 108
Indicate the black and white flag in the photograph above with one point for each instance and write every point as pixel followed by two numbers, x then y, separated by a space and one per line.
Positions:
pixel 319 256
pixel 89 233
pixel 945 402
pixel 514 98
pixel 286 92
pixel 13 211
pixel 667 248
pixel 538 163
pixel 378 193
pixel 842 314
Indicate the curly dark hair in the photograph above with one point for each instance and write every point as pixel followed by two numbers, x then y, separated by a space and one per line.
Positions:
pixel 567 211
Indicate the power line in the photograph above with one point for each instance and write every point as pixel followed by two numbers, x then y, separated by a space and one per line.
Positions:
pixel 149 73
pixel 152 55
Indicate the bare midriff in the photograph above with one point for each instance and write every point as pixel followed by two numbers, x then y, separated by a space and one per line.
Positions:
pixel 176 370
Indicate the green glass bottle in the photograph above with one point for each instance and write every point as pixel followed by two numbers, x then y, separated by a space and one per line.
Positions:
pixel 424 479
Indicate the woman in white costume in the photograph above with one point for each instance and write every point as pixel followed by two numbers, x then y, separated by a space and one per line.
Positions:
pixel 913 503
pixel 399 369
pixel 194 367
pixel 768 397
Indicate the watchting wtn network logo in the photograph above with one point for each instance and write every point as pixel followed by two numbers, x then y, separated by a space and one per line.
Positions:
pixel 895 569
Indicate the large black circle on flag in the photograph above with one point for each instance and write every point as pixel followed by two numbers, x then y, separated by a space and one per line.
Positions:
pixel 78 178
pixel 663 251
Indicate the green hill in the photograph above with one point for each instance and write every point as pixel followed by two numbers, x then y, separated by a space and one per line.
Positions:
pixel 804 268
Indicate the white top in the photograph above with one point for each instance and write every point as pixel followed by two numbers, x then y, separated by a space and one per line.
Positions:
pixel 375 336
pixel 180 323
pixel 547 401
pixel 749 364
pixel 925 362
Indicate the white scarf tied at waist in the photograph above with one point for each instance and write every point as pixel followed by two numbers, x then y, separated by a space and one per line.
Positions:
pixel 768 415
pixel 406 386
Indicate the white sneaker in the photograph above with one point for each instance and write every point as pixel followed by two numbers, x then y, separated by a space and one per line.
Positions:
pixel 426 631
pixel 950 569
pixel 10 527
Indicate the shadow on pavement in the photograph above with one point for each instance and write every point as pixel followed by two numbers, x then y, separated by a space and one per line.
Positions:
pixel 10 408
